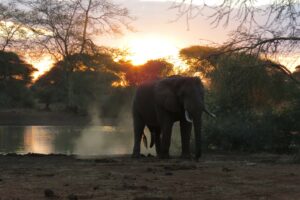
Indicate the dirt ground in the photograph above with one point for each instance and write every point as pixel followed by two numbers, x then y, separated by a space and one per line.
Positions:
pixel 260 177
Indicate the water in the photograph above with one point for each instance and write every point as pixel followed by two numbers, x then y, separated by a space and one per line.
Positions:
pixel 86 141
pixel 92 140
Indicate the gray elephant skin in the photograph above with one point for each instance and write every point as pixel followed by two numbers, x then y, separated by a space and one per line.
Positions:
pixel 158 104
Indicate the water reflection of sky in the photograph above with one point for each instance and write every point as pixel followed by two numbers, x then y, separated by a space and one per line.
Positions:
pixel 84 141
pixel 92 140
pixel 38 140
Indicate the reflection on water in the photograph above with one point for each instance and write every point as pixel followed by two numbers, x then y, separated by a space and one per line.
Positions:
pixel 40 134
pixel 92 140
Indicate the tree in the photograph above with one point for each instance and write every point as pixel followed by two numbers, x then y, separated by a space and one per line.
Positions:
pixel 199 58
pixel 263 30
pixel 12 32
pixel 67 28
pixel 239 81
pixel 51 86
pixel 151 70
pixel 15 77
pixel 91 80
pixel 63 28
pixel 257 105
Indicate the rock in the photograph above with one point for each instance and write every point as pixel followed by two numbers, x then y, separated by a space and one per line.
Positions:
pixel 72 197
pixel 96 187
pixel 168 173
pixel 48 193
pixel 250 164
pixel 225 169
pixel 152 198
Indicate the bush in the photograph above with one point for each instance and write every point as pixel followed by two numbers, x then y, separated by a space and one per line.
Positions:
pixel 248 132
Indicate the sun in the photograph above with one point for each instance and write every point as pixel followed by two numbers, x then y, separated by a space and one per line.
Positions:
pixel 150 47
pixel 42 65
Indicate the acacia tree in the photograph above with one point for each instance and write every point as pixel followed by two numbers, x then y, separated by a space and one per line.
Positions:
pixel 63 28
pixel 262 29
pixel 66 28
pixel 12 32
pixel 15 76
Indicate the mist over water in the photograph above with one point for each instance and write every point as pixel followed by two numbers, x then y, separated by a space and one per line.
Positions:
pixel 98 139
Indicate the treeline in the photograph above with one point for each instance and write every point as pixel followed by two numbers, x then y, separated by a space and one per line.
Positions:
pixel 75 84
pixel 257 106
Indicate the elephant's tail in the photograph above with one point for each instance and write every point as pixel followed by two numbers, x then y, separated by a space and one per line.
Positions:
pixel 209 113
pixel 145 141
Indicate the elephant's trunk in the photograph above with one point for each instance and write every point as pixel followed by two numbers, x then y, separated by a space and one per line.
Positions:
pixel 197 129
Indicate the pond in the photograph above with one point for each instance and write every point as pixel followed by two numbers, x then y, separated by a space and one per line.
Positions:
pixel 91 140
pixel 78 140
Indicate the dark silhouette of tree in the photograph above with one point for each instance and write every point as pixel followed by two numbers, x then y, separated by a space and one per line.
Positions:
pixel 92 77
pixel 15 76
pixel 51 86
pixel 239 80
pixel 64 28
pixel 12 31
pixel 262 30
pixel 67 28
pixel 257 106
pixel 152 70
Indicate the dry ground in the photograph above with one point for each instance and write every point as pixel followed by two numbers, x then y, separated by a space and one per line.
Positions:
pixel 229 177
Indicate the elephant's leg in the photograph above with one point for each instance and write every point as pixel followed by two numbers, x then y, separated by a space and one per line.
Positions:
pixel 185 130
pixel 157 142
pixel 198 137
pixel 166 138
pixel 139 126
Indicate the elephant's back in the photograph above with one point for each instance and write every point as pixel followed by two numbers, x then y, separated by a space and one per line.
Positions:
pixel 143 103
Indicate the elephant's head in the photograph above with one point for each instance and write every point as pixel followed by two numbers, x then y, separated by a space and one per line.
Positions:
pixel 184 96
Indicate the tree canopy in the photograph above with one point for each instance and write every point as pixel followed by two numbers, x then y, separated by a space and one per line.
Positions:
pixel 264 30
pixel 64 28
pixel 15 76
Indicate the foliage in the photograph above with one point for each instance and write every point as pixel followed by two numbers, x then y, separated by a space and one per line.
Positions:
pixel 15 76
pixel 12 32
pixel 252 133
pixel 89 79
pixel 256 105
pixel 117 102
pixel 266 29
pixel 64 28
pixel 199 58
pixel 152 70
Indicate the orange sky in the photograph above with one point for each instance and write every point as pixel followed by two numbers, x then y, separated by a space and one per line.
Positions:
pixel 156 37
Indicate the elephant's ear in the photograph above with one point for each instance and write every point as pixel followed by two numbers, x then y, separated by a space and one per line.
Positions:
pixel 166 97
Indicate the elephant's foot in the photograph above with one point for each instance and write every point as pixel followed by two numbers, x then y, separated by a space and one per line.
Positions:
pixel 136 155
pixel 186 156
pixel 164 156
pixel 197 158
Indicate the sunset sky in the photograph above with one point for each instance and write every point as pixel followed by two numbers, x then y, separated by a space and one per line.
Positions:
pixel 156 36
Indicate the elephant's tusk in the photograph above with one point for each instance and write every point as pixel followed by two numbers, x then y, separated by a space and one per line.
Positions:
pixel 187 117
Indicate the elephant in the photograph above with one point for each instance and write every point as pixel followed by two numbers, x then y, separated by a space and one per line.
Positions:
pixel 158 104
